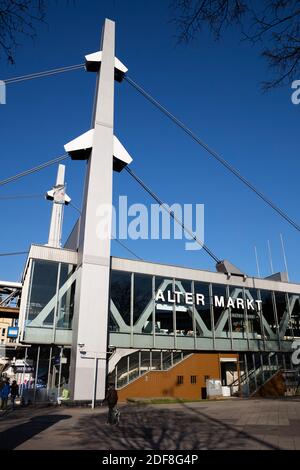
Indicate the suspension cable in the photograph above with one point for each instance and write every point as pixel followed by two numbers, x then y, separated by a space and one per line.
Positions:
pixel 126 248
pixel 22 196
pixel 14 253
pixel 34 169
pixel 113 238
pixel 179 123
pixel 171 213
pixel 45 73
pixel 213 153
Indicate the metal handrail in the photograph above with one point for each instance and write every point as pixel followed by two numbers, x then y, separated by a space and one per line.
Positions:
pixel 255 372
pixel 136 369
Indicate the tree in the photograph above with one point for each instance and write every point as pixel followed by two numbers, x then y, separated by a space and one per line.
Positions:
pixel 275 24
pixel 18 18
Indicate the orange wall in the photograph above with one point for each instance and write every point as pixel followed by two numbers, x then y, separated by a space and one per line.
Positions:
pixel 156 384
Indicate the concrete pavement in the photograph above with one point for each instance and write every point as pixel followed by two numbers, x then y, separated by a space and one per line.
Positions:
pixel 232 424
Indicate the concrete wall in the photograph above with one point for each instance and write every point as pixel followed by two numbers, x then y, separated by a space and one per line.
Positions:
pixel 164 383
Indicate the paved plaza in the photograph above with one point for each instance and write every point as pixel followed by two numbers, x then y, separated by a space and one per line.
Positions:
pixel 232 424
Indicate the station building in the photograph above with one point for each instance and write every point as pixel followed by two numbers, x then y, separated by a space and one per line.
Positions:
pixel 161 341
pixel 155 330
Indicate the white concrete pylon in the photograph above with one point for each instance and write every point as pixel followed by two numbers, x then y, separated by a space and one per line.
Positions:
pixel 91 307
pixel 80 149
pixel 59 197
pixel 93 62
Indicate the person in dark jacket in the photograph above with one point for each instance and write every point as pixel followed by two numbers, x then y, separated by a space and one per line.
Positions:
pixel 111 399
pixel 14 393
pixel 4 393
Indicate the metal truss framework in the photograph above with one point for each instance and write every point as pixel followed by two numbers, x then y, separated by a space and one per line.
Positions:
pixel 219 337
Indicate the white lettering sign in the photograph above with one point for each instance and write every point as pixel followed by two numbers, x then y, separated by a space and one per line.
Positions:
pixel 188 298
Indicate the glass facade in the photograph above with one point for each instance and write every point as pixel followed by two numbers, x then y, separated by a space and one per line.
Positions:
pixel 192 312
pixel 163 312
pixel 50 303
pixel 42 372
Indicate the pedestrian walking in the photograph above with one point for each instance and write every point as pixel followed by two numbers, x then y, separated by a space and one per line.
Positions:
pixel 4 394
pixel 111 399
pixel 14 393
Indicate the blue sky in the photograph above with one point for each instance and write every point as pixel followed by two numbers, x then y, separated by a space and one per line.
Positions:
pixel 213 87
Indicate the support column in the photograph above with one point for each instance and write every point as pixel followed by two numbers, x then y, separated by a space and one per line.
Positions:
pixel 92 289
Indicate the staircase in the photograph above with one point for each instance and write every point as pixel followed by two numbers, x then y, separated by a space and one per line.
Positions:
pixel 139 366
pixel 265 369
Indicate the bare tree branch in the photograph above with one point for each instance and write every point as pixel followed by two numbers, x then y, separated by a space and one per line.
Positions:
pixel 274 23
pixel 18 18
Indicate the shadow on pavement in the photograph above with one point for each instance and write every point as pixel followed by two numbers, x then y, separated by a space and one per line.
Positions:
pixel 243 435
pixel 16 435
pixel 149 427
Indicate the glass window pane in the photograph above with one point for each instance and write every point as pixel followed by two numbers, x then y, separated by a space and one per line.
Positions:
pixel 145 361
pixel 143 300
pixel 282 312
pixel 42 375
pixel 167 359
pixel 43 291
pixel 120 293
pixel 268 313
pixel 66 270
pixel 122 371
pixel 237 312
pixel 253 313
pixel 203 305
pixel 163 306
pixel 220 310
pixel 112 324
pixel 66 308
pixel 156 360
pixel 184 308
pixel 294 306
pixel 133 365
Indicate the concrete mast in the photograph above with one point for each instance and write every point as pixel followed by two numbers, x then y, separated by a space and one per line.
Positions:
pixel 92 289
pixel 60 199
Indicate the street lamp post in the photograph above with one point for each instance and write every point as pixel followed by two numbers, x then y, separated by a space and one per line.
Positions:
pixel 95 356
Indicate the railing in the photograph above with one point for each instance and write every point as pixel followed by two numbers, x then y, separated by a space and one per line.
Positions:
pixel 137 368
pixel 262 370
